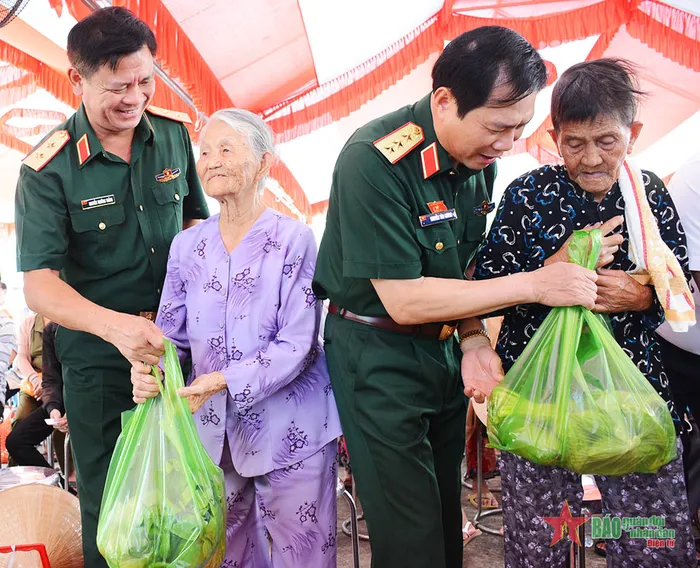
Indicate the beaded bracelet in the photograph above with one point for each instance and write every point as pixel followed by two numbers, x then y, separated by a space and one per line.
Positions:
pixel 473 333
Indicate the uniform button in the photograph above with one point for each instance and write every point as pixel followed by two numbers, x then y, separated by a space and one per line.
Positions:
pixel 439 246
pixel 102 226
pixel 458 241
pixel 177 197
pixel 140 207
pixel 153 251
pixel 158 290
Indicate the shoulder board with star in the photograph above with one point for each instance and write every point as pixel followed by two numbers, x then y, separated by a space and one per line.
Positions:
pixel 400 142
pixel 45 152
pixel 171 114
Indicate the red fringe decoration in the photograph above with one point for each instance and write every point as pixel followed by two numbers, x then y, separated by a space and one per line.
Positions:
pixel 179 57
pixel 673 33
pixel 553 29
pixel 37 114
pixel 291 187
pixel 360 85
pixel 45 77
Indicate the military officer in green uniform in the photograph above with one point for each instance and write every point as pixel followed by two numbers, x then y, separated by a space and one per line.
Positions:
pixel 98 203
pixel 407 212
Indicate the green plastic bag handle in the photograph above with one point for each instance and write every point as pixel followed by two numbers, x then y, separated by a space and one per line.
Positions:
pixel 584 248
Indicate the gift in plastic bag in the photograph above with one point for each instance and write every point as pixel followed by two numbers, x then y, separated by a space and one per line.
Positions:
pixel 575 399
pixel 164 499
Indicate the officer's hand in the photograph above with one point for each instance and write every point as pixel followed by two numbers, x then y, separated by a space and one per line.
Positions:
pixel 145 384
pixel 137 338
pixel 61 423
pixel 481 368
pixel 564 284
pixel 202 389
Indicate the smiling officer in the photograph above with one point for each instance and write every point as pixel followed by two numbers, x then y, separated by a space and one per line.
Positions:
pixel 98 203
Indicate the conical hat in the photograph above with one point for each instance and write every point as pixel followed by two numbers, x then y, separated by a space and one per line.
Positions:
pixel 36 513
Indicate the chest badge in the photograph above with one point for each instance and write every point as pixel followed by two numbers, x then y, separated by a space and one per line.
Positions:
pixel 168 174
pixel 439 213
pixel 484 209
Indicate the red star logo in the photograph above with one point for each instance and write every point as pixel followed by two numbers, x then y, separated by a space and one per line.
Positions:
pixel 564 524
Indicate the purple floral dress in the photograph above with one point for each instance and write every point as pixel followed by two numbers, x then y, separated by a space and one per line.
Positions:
pixel 252 316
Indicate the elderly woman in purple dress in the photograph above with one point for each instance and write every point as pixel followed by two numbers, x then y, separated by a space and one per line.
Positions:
pixel 237 301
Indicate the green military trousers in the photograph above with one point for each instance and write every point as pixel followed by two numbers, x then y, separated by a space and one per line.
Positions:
pixel 401 405
pixel 97 389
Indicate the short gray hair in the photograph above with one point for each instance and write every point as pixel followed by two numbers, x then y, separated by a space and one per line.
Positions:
pixel 259 135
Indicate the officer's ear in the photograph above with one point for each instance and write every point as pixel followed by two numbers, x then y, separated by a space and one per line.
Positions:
pixel 442 100
pixel 76 81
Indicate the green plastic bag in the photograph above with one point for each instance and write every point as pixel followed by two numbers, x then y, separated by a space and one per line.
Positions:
pixel 164 500
pixel 575 399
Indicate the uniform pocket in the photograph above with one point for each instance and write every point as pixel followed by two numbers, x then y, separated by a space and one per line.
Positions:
pixel 436 239
pixel 439 251
pixel 99 220
pixel 169 197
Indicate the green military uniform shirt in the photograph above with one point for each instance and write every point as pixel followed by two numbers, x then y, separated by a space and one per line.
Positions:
pixel 373 229
pixel 104 223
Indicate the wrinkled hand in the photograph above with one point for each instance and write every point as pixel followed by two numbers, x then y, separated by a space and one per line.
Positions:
pixel 564 284
pixel 202 389
pixel 481 368
pixel 137 338
pixel 145 384
pixel 619 292
pixel 610 243
pixel 61 423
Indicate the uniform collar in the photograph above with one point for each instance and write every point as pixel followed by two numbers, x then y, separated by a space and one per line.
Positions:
pixel 88 145
pixel 424 118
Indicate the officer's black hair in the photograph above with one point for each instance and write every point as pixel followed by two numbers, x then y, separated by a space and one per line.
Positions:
pixel 473 64
pixel 105 37
pixel 603 87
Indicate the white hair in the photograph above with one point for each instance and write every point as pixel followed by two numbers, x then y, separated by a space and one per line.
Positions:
pixel 259 135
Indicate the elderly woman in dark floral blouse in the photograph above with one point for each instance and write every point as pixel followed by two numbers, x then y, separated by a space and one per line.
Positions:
pixel 594 107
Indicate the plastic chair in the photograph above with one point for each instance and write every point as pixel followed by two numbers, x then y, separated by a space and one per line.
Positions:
pixel 480 513
pixel 352 523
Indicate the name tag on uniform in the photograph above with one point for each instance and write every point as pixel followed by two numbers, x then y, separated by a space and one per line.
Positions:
pixel 435 218
pixel 94 202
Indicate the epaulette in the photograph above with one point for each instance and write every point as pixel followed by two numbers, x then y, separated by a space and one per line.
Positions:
pixel 171 114
pixel 400 142
pixel 44 153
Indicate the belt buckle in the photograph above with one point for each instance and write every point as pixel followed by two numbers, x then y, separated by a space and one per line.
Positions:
pixel 447 331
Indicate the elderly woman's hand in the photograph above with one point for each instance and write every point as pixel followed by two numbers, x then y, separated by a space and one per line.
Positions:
pixel 619 292
pixel 202 389
pixel 609 246
pixel 145 384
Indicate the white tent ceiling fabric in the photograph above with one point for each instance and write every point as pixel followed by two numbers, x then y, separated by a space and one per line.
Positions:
pixel 341 36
